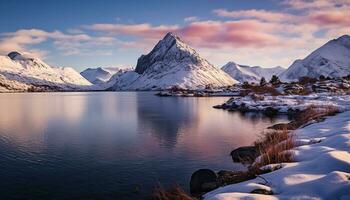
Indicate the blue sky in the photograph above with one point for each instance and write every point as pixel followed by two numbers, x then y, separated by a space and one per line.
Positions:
pixel 109 33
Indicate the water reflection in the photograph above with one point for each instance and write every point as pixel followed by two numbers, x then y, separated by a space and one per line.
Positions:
pixel 164 117
pixel 102 145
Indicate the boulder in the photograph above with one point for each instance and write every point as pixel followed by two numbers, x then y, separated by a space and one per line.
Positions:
pixel 203 180
pixel 270 112
pixel 245 154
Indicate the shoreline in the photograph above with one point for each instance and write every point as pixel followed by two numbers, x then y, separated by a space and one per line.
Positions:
pixel 297 179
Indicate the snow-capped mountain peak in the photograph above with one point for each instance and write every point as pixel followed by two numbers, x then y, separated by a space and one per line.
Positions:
pixel 244 73
pixel 332 60
pixel 174 63
pixel 27 71
pixel 99 75
pixel 170 48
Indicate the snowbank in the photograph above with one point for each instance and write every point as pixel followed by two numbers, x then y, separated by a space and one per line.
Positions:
pixel 321 170
pixel 291 102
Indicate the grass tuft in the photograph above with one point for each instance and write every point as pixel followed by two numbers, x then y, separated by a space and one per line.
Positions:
pixel 173 193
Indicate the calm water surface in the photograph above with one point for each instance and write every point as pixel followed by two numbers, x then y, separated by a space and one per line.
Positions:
pixel 113 145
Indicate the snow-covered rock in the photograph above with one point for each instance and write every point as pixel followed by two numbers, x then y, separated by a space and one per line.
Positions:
pixel 99 75
pixel 330 60
pixel 34 72
pixel 244 73
pixel 174 63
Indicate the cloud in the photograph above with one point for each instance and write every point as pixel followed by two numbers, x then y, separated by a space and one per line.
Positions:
pixel 144 30
pixel 270 37
pixel 255 14
pixel 315 4
pixel 217 34
pixel 23 41
pixel 191 19
pixel 330 18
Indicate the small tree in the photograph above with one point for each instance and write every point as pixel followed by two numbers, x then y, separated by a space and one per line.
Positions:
pixel 275 80
pixel 322 78
pixel 262 81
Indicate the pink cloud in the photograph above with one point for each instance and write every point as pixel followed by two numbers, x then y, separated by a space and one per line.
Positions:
pixel 200 34
pixel 145 30
pixel 256 14
pixel 229 34
pixel 332 18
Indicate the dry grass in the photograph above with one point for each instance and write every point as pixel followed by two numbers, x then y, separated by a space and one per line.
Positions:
pixel 173 193
pixel 315 113
pixel 310 114
pixel 257 89
pixel 273 148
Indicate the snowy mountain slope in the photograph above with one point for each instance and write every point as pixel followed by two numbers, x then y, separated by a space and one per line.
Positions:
pixel 332 59
pixel 244 73
pixel 34 72
pixel 121 80
pixel 174 63
pixel 99 75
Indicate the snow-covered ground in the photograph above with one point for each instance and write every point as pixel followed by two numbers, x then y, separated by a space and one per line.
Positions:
pixel 321 170
pixel 292 102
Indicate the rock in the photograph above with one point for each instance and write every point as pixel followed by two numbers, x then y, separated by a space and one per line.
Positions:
pixel 245 154
pixel 203 180
pixel 262 191
pixel 270 111
pixel 13 54
pixel 230 177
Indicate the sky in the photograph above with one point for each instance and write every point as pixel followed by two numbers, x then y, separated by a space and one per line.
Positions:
pixel 112 33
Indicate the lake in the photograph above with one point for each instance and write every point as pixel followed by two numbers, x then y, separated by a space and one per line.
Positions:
pixel 113 145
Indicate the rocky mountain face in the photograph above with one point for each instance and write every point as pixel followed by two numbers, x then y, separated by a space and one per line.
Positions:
pixel 244 73
pixel 330 60
pixel 173 63
pixel 20 73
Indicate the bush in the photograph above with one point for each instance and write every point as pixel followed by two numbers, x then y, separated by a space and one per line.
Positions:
pixel 263 81
pixel 275 80
pixel 307 80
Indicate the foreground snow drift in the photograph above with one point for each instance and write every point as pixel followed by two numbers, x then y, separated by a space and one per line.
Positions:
pixel 321 170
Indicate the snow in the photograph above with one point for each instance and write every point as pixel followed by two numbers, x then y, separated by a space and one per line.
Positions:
pixel 332 59
pixel 174 63
pixel 321 170
pixel 33 71
pixel 99 75
pixel 244 73
pixel 294 102
pixel 121 80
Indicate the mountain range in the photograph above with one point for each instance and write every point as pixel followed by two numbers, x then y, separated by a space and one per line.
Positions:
pixel 330 60
pixel 99 75
pixel 19 73
pixel 171 63
pixel 243 73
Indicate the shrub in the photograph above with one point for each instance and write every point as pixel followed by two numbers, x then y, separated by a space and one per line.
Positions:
pixel 307 80
pixel 275 80
pixel 263 81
